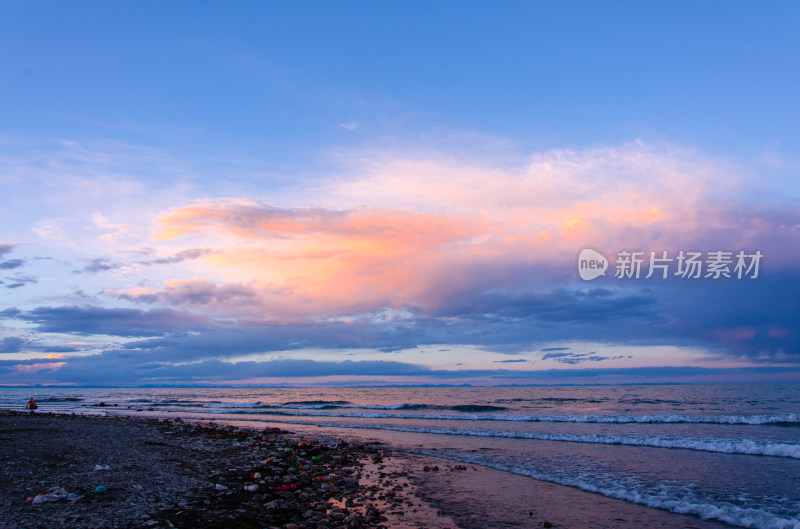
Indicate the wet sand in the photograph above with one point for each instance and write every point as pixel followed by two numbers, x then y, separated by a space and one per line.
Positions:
pixel 169 473
pixel 479 497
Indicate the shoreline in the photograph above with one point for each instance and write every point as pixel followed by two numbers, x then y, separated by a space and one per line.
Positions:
pixel 175 473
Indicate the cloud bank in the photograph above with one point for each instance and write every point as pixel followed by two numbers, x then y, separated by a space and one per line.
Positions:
pixel 415 250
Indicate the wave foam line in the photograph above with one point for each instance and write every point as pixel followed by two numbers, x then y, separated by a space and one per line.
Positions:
pixel 731 514
pixel 755 420
pixel 233 405
pixel 717 445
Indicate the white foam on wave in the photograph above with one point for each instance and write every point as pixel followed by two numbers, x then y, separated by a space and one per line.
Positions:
pixel 725 512
pixel 393 406
pixel 673 500
pixel 294 409
pixel 728 513
pixel 790 418
pixel 717 444
pixel 233 405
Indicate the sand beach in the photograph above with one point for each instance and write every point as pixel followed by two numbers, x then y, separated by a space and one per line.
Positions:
pixel 63 470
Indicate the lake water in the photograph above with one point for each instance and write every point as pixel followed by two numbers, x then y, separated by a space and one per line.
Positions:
pixel 724 452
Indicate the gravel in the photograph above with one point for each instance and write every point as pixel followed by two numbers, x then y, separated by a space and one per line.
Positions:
pixel 165 473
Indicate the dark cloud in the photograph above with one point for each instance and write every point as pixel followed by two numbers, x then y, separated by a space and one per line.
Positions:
pixel 59 348
pixel 9 371
pixel 563 305
pixel 11 344
pixel 228 341
pixel 394 348
pixel 574 358
pixel 91 320
pixel 758 320
pixel 99 265
pixel 754 318
pixel 121 368
pixel 103 264
pixel 21 281
pixel 556 356
pixel 184 255
pixel 6 248
pixel 118 368
pixel 517 360
pixel 11 264
pixel 196 292
pixel 15 344
pixel 655 375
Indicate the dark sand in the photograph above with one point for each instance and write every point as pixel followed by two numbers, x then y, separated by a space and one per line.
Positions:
pixel 480 497
pixel 165 473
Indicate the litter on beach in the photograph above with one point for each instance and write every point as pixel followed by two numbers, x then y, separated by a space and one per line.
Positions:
pixel 55 494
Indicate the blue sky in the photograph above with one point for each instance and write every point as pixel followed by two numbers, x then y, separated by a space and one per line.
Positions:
pixel 394 192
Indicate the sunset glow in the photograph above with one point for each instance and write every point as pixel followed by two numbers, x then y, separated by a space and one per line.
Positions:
pixel 336 224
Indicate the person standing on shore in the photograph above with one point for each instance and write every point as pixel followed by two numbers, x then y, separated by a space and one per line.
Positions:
pixel 31 405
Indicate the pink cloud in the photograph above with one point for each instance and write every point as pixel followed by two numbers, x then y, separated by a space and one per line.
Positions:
pixel 435 227
pixel 32 368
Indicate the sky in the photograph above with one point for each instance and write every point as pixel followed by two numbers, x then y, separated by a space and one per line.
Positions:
pixel 399 193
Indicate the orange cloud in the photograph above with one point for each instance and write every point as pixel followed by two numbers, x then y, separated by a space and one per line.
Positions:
pixel 436 227
pixel 248 219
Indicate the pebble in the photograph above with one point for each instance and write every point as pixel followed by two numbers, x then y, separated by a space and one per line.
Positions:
pixel 162 473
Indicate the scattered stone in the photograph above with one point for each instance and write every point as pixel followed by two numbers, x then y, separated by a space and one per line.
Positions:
pixel 170 473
